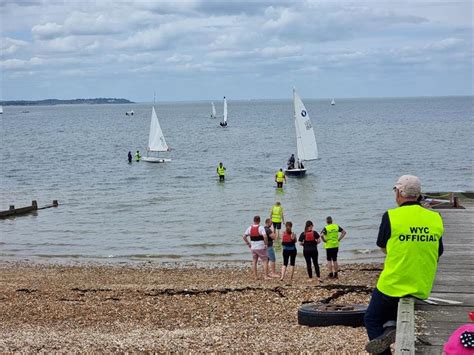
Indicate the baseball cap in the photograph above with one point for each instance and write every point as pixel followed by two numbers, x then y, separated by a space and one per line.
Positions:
pixel 409 185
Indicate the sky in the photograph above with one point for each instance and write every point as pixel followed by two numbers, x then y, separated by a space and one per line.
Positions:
pixel 204 49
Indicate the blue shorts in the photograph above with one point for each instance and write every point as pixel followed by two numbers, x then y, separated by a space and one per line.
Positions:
pixel 271 254
pixel 277 225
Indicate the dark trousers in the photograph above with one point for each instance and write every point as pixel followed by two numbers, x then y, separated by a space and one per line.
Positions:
pixel 221 177
pixel 289 255
pixel 311 255
pixel 382 308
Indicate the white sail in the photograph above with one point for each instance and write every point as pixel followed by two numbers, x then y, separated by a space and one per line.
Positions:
pixel 333 102
pixel 213 115
pixel 156 140
pixel 305 139
pixel 1 109
pixel 225 109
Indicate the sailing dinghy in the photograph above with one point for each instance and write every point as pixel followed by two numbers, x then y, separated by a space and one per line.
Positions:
pixel 333 102
pixel 224 122
pixel 306 146
pixel 213 112
pixel 156 141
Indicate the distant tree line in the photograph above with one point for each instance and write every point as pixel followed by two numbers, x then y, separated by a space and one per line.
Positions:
pixel 100 100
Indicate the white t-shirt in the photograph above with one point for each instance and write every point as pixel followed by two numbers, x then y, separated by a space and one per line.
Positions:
pixel 259 244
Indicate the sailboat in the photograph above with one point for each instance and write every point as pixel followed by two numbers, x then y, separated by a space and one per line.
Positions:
pixel 306 146
pixel 333 102
pixel 1 109
pixel 156 141
pixel 213 112
pixel 224 122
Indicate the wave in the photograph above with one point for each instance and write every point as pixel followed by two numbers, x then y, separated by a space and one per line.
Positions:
pixel 364 251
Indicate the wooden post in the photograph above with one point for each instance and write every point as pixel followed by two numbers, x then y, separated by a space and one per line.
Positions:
pixel 405 338
pixel 12 207
pixel 34 204
pixel 55 203
pixel 456 202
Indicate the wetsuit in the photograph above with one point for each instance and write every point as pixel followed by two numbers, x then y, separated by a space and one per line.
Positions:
pixel 310 251
pixel 289 248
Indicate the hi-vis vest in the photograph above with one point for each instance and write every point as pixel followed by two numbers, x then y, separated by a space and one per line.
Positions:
pixel 332 236
pixel 280 176
pixel 412 252
pixel 276 213
pixel 220 170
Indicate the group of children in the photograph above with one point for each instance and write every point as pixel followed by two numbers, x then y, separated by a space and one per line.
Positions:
pixel 264 240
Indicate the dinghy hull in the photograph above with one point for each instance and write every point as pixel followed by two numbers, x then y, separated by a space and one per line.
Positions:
pixel 155 160
pixel 295 172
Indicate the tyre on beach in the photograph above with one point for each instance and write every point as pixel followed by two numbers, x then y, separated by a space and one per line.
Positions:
pixel 323 315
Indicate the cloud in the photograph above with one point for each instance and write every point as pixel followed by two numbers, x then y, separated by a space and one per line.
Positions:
pixel 10 46
pixel 446 44
pixel 22 65
pixel 77 24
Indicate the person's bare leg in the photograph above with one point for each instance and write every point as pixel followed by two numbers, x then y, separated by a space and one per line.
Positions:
pixel 292 271
pixel 254 267
pixel 265 270
pixel 336 268
pixel 283 271
pixel 330 267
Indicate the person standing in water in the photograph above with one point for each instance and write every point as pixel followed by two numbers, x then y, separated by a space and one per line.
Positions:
pixel 137 156
pixel 310 239
pixel 288 241
pixel 280 177
pixel 258 245
pixel 129 156
pixel 221 172
pixel 331 238
pixel 276 215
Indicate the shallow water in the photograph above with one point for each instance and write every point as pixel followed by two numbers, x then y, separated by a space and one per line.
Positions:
pixel 111 210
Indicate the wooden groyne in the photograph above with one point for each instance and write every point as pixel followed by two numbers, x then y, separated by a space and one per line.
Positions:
pixel 452 297
pixel 13 212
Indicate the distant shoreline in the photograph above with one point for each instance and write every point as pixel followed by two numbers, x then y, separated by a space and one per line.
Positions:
pixel 49 102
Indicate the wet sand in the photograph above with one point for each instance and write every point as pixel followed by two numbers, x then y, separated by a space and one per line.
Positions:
pixel 172 308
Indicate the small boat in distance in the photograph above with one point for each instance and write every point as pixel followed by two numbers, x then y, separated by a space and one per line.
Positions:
pixel 224 122
pixel 156 141
pixel 213 111
pixel 333 102
pixel 1 109
pixel 129 113
pixel 306 146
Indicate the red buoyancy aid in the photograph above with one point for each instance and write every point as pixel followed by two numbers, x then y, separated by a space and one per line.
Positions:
pixel 309 236
pixel 254 234
pixel 286 238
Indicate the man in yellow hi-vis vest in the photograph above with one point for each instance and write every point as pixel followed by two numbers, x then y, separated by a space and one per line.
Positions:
pixel 331 239
pixel 410 235
pixel 280 177
pixel 221 172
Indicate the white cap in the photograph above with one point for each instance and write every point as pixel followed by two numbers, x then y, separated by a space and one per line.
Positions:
pixel 408 185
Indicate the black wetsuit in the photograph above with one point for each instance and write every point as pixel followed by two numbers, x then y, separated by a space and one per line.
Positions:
pixel 310 253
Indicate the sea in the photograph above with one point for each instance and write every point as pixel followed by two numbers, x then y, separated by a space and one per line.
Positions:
pixel 111 211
